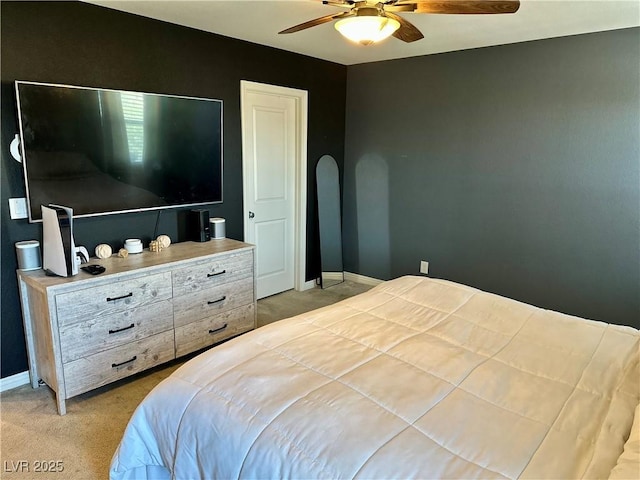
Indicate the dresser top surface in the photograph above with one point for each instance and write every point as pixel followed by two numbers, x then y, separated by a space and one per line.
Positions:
pixel 115 266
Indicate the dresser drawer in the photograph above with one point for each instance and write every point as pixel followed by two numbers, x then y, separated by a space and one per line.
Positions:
pixel 209 331
pixel 97 334
pixel 211 273
pixel 104 300
pixel 207 303
pixel 96 370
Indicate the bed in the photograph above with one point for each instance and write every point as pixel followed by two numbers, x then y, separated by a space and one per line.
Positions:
pixel 416 378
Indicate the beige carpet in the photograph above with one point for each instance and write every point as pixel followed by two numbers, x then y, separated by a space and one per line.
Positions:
pixel 79 445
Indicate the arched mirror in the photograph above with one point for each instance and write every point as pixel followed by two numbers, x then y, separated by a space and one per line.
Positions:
pixel 329 221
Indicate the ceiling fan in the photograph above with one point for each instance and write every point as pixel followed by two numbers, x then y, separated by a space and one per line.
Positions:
pixel 367 22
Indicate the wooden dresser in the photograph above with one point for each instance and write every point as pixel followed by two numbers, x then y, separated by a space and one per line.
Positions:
pixel 86 331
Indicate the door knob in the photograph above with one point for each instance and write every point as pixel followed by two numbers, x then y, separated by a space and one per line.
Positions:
pixel 251 214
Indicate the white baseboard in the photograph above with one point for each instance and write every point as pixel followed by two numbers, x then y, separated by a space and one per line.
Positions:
pixel 355 277
pixel 333 275
pixel 309 285
pixel 14 381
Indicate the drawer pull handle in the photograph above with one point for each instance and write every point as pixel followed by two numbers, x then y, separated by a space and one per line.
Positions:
pixel 109 299
pixel 122 329
pixel 209 275
pixel 219 329
pixel 211 302
pixel 116 365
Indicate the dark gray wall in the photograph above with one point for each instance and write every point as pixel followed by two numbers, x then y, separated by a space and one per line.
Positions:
pixel 514 169
pixel 81 44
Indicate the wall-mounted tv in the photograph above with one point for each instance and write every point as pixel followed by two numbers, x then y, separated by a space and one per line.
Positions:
pixel 102 151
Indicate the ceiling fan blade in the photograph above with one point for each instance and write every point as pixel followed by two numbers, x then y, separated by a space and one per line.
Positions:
pixel 405 7
pixel 407 31
pixel 463 6
pixel 315 22
pixel 339 3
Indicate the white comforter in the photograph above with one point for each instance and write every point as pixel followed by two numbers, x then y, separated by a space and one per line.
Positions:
pixel 417 378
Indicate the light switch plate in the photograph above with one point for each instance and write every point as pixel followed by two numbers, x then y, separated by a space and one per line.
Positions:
pixel 18 208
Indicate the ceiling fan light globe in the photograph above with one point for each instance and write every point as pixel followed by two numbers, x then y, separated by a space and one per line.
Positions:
pixel 367 29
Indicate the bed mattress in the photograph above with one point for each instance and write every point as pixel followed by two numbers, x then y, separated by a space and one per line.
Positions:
pixel 417 378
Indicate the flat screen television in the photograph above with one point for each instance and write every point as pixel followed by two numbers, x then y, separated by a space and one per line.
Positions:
pixel 102 151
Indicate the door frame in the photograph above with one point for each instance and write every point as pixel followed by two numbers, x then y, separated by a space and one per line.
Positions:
pixel 300 201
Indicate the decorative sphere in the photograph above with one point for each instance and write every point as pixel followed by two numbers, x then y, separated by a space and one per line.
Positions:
pixel 164 241
pixel 103 251
pixel 123 253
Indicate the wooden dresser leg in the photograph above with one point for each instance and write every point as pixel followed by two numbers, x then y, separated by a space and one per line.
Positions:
pixel 62 406
pixel 28 331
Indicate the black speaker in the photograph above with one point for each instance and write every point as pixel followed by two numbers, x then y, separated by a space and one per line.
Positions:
pixel 198 226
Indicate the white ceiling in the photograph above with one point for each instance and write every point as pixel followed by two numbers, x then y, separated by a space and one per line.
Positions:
pixel 260 21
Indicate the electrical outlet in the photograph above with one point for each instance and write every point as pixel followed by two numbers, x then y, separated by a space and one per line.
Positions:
pixel 424 267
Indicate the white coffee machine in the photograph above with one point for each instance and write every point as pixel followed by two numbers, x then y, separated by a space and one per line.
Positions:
pixel 58 247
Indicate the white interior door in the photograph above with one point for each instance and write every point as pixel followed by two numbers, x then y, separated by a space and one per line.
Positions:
pixel 272 158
